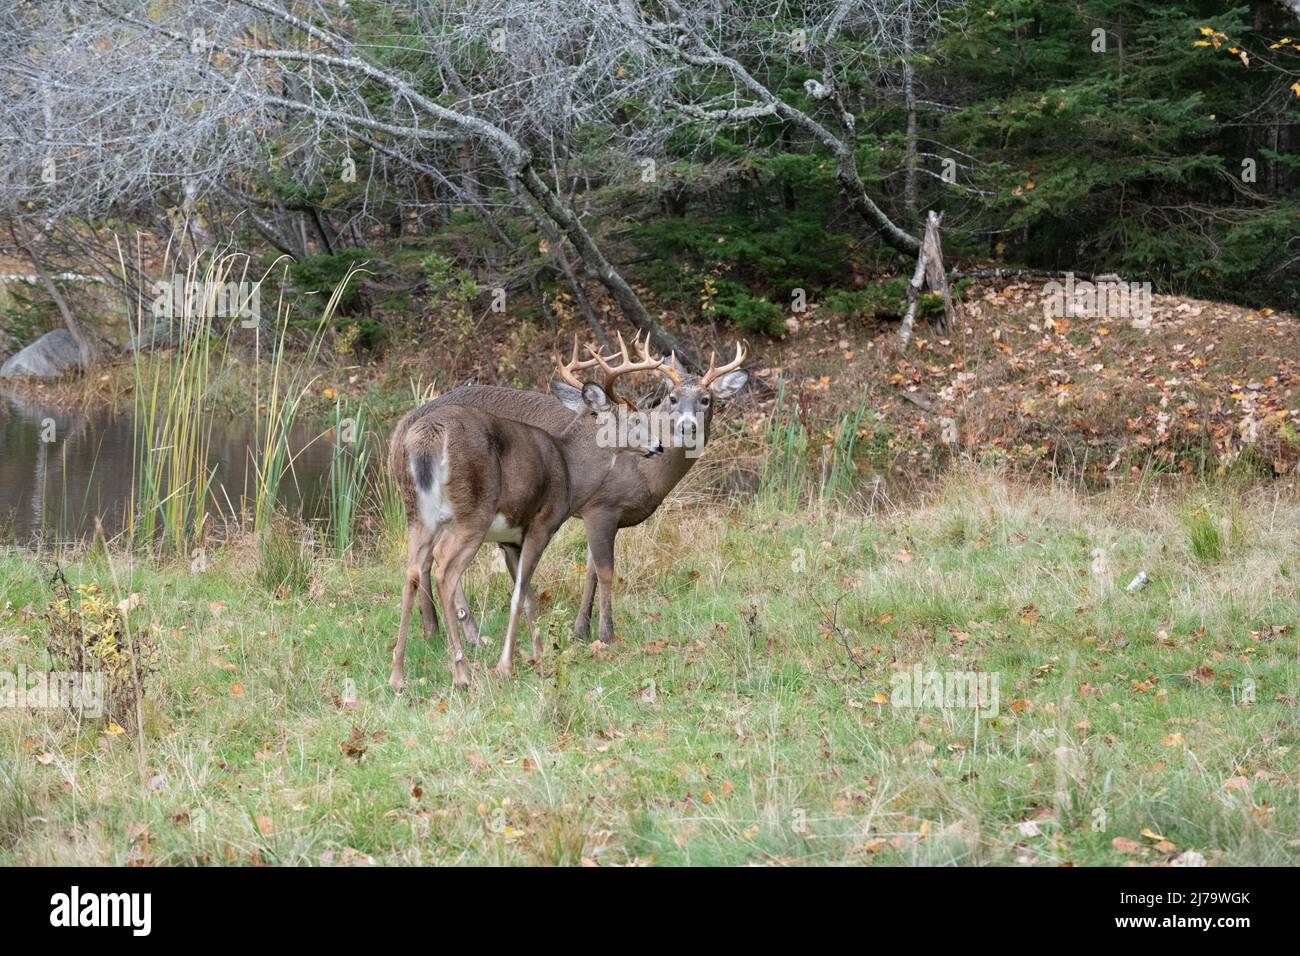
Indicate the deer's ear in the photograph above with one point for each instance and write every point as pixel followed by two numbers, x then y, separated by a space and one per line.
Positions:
pixel 727 385
pixel 595 398
pixel 570 397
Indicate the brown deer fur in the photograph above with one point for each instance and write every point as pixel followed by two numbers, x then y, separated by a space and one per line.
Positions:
pixel 609 501
pixel 467 476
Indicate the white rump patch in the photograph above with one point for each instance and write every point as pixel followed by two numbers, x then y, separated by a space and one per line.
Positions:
pixel 435 509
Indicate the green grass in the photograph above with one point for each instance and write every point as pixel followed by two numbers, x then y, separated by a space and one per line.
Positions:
pixel 711 733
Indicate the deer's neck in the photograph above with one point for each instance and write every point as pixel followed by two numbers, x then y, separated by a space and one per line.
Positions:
pixel 663 472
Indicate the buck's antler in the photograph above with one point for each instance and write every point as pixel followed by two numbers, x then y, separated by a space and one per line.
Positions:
pixel 648 363
pixel 567 372
pixel 714 372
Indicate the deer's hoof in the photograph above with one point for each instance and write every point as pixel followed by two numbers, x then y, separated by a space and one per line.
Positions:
pixel 397 682
pixel 503 672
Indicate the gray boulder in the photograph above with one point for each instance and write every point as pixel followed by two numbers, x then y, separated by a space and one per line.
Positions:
pixel 52 354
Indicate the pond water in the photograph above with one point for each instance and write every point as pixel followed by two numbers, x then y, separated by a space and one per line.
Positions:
pixel 60 469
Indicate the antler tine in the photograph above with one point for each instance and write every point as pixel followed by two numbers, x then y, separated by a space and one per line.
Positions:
pixel 626 365
pixel 714 372
pixel 668 369
pixel 566 371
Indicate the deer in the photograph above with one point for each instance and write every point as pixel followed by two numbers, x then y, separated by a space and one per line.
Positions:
pixel 467 476
pixel 624 499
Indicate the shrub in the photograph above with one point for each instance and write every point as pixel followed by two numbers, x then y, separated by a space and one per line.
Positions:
pixel 319 275
pixel 88 634
pixel 750 313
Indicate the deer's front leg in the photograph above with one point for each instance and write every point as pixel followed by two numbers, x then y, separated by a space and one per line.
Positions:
pixel 534 544
pixel 582 626
pixel 602 552
pixel 511 554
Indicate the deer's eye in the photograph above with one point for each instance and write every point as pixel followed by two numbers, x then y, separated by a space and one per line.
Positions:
pixel 705 401
pixel 672 399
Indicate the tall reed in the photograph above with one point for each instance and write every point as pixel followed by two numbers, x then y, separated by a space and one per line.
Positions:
pixel 277 403
pixel 171 476
pixel 349 463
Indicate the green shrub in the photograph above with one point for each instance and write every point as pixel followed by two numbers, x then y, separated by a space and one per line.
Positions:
pixel 887 299
pixel 882 299
pixel 319 275
pixel 749 313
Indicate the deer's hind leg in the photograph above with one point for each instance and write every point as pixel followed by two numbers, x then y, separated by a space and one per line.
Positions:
pixel 427 610
pixel 466 617
pixel 455 550
pixel 419 544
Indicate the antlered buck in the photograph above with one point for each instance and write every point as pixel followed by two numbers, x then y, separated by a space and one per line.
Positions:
pixel 467 476
pixel 628 494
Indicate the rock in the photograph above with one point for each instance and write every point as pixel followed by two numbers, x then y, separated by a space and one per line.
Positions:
pixel 52 354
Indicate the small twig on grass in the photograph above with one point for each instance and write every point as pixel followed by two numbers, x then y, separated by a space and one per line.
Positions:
pixel 830 625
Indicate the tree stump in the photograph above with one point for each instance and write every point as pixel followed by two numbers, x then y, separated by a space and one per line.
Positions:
pixel 929 271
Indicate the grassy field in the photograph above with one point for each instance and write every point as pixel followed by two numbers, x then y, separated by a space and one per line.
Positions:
pixel 748 714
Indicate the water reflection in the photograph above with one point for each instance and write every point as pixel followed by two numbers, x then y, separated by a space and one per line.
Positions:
pixel 60 469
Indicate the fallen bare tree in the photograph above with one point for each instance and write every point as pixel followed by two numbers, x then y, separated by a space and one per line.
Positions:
pixel 229 83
